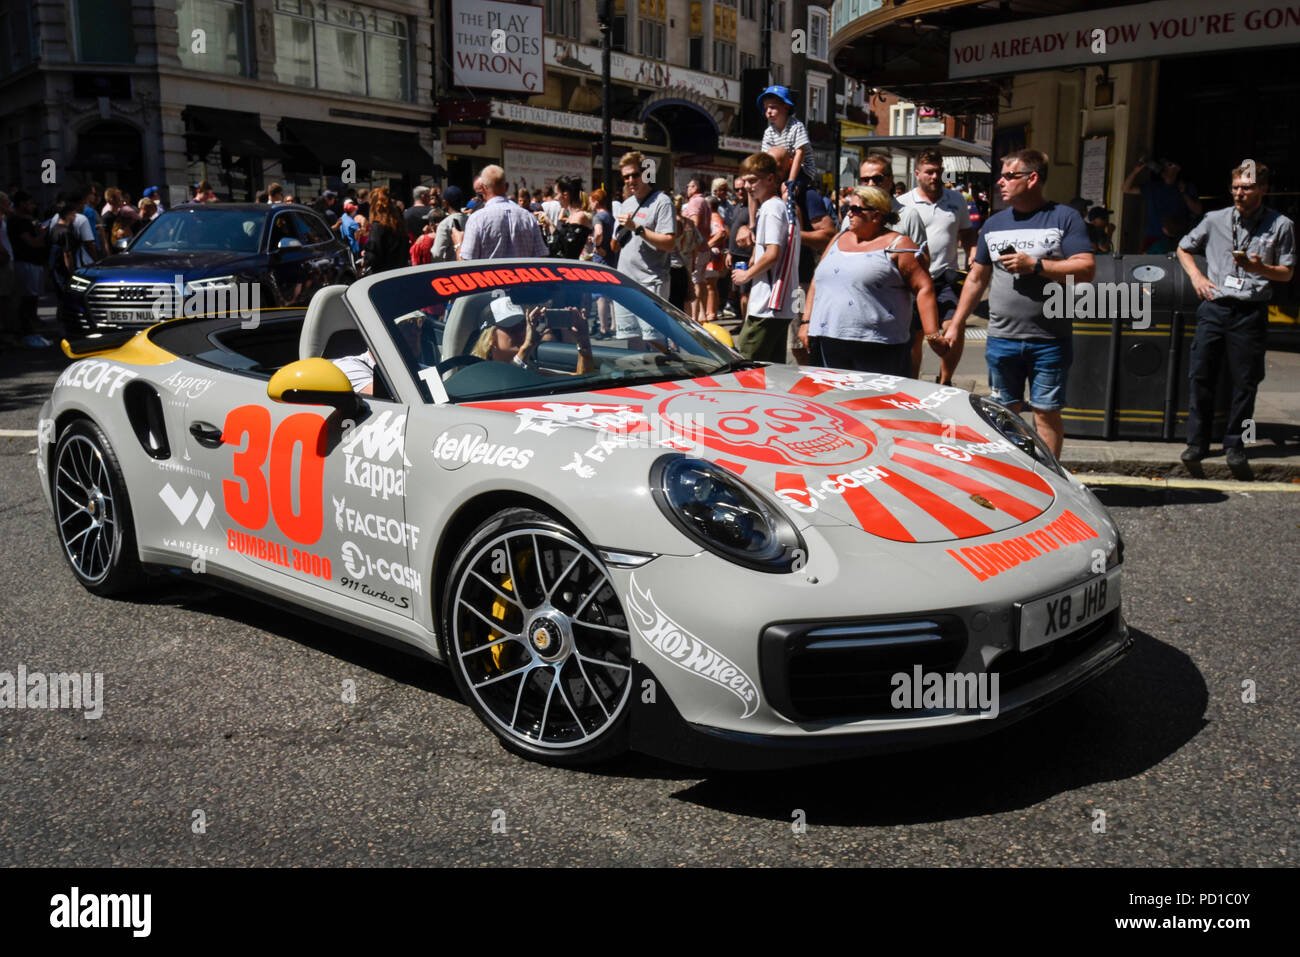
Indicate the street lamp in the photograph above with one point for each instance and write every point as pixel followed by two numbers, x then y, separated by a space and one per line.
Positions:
pixel 605 16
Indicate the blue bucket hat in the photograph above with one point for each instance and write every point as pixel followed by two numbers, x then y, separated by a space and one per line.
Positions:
pixel 780 92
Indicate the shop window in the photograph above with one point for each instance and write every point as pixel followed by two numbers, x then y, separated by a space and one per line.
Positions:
pixel 104 31
pixel 349 49
pixel 222 43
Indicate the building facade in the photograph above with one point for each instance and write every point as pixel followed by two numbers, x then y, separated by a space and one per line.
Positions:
pixel 136 93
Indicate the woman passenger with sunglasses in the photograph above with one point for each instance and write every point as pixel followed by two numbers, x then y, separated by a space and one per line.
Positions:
pixel 858 312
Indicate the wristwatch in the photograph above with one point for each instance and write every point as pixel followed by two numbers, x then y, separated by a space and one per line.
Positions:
pixel 639 230
pixel 1038 267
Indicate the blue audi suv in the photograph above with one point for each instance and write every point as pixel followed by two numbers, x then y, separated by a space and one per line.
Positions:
pixel 202 258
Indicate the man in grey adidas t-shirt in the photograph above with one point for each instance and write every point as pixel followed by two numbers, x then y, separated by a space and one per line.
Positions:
pixel 1024 251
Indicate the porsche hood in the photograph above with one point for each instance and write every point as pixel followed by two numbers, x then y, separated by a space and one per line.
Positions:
pixel 895 457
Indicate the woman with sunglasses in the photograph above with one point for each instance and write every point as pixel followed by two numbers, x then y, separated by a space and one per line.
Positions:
pixel 858 312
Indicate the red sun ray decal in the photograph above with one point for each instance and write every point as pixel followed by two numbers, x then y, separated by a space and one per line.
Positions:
pixel 878 401
pixel 809 387
pixel 1016 508
pixel 626 393
pixel 874 517
pixel 752 379
pixel 930 427
pixel 944 512
pixel 704 382
pixel 1005 469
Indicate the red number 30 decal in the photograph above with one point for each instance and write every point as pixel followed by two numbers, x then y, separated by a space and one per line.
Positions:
pixel 251 503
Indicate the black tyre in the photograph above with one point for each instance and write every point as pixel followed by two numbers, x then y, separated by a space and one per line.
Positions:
pixel 91 512
pixel 537 639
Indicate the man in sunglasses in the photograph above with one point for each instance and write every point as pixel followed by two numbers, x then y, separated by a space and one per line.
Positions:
pixel 878 170
pixel 947 224
pixel 1247 248
pixel 647 224
pixel 1023 251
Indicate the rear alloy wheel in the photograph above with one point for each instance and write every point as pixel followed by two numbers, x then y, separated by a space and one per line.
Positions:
pixel 91 511
pixel 536 636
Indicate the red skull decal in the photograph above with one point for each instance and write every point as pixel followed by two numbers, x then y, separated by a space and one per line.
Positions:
pixel 768 427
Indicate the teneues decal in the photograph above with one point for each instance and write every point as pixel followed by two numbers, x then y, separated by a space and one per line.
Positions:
pixel 468 445
pixel 373 458
pixel 686 651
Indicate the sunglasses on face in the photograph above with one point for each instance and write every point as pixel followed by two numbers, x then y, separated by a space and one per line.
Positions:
pixel 877 180
pixel 848 210
pixel 631 175
pixel 1014 175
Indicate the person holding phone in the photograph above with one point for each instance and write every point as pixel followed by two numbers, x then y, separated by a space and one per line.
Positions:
pixel 1247 248
pixel 1021 251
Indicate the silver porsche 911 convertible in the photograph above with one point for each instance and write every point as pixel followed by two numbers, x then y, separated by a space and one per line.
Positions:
pixel 623 539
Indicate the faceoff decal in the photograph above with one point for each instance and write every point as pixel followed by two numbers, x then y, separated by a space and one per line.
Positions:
pixel 927 486
pixel 688 652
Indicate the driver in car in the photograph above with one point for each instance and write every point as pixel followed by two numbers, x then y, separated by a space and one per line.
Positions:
pixel 360 368
pixel 513 336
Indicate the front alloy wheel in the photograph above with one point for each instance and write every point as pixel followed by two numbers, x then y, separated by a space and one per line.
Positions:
pixel 538 641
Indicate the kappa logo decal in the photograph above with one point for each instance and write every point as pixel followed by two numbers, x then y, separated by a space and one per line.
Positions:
pixel 678 646
pixel 762 427
pixel 183 506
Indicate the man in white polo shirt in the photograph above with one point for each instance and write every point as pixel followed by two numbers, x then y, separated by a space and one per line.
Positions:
pixel 946 217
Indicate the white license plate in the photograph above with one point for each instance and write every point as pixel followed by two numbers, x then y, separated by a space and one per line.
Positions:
pixel 127 315
pixel 1044 620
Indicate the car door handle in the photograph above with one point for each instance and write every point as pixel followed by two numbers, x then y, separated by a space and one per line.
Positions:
pixel 207 435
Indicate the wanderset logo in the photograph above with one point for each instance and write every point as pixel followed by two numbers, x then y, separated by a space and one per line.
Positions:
pixel 76 910
pixel 60 690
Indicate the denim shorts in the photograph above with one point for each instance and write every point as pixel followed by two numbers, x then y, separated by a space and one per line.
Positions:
pixel 1044 362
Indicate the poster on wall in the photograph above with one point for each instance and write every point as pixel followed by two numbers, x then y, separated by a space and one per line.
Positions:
pixel 1092 170
pixel 497 46
pixel 537 165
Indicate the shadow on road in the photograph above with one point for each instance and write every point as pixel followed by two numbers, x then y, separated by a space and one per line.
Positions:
pixel 1145 496
pixel 1126 722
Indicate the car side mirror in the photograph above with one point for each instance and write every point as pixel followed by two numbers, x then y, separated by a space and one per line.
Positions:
pixel 314 382
pixel 121 245
pixel 288 243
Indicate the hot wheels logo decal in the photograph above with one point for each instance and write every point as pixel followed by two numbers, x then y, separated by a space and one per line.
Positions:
pixel 678 646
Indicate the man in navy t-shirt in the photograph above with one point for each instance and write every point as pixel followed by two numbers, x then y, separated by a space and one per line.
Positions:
pixel 1025 251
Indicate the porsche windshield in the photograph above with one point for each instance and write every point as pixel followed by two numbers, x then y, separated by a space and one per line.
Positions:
pixel 520 330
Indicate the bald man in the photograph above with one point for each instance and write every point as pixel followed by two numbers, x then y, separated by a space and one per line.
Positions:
pixel 501 229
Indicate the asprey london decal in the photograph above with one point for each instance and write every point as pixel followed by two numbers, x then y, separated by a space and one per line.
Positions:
pixel 678 646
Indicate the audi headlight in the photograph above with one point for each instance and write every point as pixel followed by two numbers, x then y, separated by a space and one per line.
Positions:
pixel 1012 428
pixel 715 508
pixel 79 284
pixel 215 282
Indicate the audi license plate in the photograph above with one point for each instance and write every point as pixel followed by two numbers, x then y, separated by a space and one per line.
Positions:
pixel 126 315
pixel 1044 620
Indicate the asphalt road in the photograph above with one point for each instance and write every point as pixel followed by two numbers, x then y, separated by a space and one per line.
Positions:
pixel 233 709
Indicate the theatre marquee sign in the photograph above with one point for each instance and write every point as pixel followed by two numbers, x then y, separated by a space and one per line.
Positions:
pixel 497 46
pixel 1139 32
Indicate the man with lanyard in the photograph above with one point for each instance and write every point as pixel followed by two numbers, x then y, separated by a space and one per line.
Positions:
pixel 647 224
pixel 946 217
pixel 1247 247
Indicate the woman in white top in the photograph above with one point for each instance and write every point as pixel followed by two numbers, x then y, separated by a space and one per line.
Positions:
pixel 858 312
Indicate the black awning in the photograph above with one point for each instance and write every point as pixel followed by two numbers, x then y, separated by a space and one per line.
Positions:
pixel 330 144
pixel 238 133
pixel 401 152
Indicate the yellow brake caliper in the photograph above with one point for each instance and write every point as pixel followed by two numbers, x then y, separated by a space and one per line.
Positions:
pixel 499 608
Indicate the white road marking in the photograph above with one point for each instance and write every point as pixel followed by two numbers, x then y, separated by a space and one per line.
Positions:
pixel 18 433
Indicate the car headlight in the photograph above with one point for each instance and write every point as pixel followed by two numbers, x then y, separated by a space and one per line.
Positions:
pixel 215 282
pixel 79 284
pixel 1116 555
pixel 1011 427
pixel 726 516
